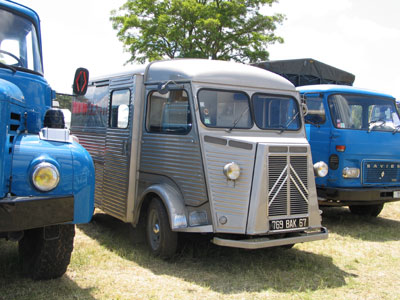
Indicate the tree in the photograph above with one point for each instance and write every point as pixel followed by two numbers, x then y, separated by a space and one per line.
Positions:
pixel 214 29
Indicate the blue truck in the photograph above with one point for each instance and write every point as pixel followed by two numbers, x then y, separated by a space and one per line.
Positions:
pixel 46 176
pixel 355 131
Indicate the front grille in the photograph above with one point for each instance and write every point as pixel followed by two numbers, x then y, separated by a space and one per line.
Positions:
pixel 287 185
pixel 375 172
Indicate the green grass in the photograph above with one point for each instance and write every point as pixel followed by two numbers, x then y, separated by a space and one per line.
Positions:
pixel 360 260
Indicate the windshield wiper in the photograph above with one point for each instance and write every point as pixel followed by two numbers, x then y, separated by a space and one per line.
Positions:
pixel 3 65
pixel 288 123
pixel 237 120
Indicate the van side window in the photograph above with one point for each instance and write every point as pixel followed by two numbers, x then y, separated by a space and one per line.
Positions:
pixel 169 113
pixel 90 110
pixel 119 108
pixel 316 111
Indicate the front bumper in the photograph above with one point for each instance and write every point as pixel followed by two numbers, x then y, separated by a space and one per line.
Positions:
pixel 20 213
pixel 356 196
pixel 266 242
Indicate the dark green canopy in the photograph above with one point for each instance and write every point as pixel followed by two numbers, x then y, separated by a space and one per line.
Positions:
pixel 307 71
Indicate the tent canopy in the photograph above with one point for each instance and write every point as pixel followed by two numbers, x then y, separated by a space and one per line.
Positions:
pixel 307 71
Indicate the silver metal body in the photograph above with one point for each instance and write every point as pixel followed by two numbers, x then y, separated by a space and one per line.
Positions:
pixel 185 171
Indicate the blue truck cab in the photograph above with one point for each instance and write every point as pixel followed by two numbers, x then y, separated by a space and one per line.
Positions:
pixel 355 131
pixel 46 177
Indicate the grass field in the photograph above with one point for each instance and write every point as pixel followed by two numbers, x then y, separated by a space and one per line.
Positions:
pixel 360 260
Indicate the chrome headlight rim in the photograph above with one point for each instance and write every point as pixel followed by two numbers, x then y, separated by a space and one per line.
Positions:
pixel 232 171
pixel 51 183
pixel 321 169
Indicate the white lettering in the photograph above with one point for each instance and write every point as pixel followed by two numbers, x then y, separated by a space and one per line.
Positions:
pixel 276 225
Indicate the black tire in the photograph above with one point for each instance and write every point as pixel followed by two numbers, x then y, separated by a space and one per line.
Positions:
pixel 366 210
pixel 42 258
pixel 161 240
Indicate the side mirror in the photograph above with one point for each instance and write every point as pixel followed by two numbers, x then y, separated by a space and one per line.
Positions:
pixel 81 81
pixel 303 99
pixel 305 109
pixel 163 88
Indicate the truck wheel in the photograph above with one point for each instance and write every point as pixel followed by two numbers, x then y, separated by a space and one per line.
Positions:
pixel 161 240
pixel 46 258
pixel 366 210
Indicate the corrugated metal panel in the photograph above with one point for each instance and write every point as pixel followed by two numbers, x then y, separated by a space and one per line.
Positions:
pixel 177 157
pixel 277 183
pixel 117 160
pixel 299 185
pixel 93 141
pixel 228 198
pixel 287 184
pixel 116 173
pixel 110 150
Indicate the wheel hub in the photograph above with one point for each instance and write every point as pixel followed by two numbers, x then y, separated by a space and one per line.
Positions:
pixel 156 228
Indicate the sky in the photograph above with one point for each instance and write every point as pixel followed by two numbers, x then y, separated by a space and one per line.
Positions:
pixel 358 36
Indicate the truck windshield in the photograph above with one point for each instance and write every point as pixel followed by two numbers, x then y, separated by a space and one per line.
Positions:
pixel 363 112
pixel 19 47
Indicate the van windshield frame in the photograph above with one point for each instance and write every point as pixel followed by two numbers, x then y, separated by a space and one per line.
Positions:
pixel 232 109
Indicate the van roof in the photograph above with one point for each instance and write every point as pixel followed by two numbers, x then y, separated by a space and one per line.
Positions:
pixel 209 71
pixel 339 89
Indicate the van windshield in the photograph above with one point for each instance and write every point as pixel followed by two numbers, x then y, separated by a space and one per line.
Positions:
pixel 363 112
pixel 19 46
pixel 233 109
pixel 224 109
pixel 276 112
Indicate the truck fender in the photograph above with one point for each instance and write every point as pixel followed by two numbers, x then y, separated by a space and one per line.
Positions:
pixel 173 202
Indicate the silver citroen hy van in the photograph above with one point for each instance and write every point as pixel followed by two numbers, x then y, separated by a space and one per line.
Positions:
pixel 202 146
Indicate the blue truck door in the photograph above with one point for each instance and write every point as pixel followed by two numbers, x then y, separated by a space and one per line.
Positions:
pixel 318 129
pixel 118 149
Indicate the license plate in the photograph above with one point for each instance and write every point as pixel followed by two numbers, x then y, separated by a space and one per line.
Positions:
pixel 288 224
pixel 396 194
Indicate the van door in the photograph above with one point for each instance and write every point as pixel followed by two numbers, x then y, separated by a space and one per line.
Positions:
pixel 118 148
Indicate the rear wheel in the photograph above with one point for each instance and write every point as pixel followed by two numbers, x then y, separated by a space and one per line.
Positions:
pixel 162 241
pixel 366 210
pixel 46 253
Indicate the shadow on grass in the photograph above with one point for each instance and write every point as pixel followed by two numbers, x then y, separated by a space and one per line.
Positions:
pixel 14 286
pixel 341 221
pixel 224 270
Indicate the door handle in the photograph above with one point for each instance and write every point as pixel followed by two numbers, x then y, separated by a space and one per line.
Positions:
pixel 125 147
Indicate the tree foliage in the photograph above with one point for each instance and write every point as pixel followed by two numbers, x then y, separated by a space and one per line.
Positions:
pixel 214 29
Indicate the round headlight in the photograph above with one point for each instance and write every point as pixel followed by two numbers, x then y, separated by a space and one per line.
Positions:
pixel 45 177
pixel 320 169
pixel 232 171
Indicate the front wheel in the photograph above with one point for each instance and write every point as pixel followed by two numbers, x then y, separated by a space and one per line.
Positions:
pixel 366 210
pixel 45 253
pixel 162 241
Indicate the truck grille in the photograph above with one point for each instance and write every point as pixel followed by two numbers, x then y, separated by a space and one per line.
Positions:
pixel 375 172
pixel 287 185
